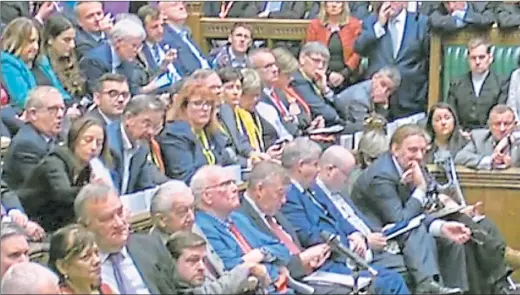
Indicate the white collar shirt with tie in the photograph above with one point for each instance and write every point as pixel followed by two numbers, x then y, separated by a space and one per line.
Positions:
pixel 396 26
pixel 184 35
pixel 158 53
pixel 127 267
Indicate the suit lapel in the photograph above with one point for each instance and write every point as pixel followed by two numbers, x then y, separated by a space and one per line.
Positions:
pixel 287 227
pixel 409 34
pixel 144 263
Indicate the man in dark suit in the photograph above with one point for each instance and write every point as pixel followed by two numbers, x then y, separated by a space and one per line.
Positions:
pixel 118 56
pixel 13 9
pixel 44 114
pixel 130 263
pixel 110 98
pixel 508 15
pixel 176 35
pixel 92 26
pixel 394 189
pixel 473 95
pixel 417 247
pixel 450 16
pixel 309 219
pixel 141 121
pixel 395 37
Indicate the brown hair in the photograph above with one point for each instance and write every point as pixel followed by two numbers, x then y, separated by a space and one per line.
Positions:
pixel 147 11
pixel 77 129
pixel 478 41
pixel 16 36
pixel 190 90
pixel 183 240
pixel 344 17
pixel 406 131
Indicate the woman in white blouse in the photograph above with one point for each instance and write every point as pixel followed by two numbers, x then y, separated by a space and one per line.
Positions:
pixel 513 99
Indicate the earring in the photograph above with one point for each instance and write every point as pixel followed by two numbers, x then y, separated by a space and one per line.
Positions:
pixel 65 277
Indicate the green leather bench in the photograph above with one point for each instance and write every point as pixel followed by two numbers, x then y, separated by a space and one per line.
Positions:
pixel 455 62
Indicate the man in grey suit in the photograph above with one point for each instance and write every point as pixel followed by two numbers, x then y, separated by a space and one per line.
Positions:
pixel 130 263
pixel 493 147
pixel 474 94
pixel 172 211
pixel 358 101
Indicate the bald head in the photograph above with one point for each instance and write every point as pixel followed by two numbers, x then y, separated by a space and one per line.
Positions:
pixel 336 164
pixel 29 278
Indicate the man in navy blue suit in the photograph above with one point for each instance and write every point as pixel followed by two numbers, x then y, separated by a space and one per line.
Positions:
pixel 396 37
pixel 190 56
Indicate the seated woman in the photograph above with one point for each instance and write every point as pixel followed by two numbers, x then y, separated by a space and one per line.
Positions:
pixel 338 30
pixel 75 258
pixel 59 45
pixel 237 122
pixel 193 137
pixel 49 192
pixel 23 65
pixel 513 100
pixel 443 127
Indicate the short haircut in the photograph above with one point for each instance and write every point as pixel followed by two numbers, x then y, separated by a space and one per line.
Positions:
pixel 266 171
pixel 37 96
pixel 144 103
pixel 285 60
pixel 251 82
pixel 127 28
pixel 27 278
pixel 88 193
pixel 406 131
pixel 255 53
pixel 147 12
pixel 393 74
pixel 10 229
pixel 315 48
pixel 200 180
pixel 109 77
pixel 300 149
pixel 202 74
pixel 500 109
pixel 241 25
pixel 184 240
pixel 229 74
pixel 164 196
pixel 478 41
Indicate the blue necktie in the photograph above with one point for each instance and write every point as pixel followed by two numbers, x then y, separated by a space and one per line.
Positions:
pixel 156 54
pixel 123 284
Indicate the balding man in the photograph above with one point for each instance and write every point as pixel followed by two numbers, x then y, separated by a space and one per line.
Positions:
pixel 172 211
pixel 310 219
pixel 30 278
pixel 418 247
pixel 130 263
pixel 44 110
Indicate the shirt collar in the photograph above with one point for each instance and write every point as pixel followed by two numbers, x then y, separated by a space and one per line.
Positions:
pixel 479 77
pixel 323 187
pixel 127 144
pixel 233 57
pixel 401 17
pixel 397 166
pixel 116 61
pixel 104 256
pixel 105 117
pixel 297 185
pixel 247 198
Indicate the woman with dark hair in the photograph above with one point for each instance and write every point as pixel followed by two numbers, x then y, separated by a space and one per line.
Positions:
pixel 23 65
pixel 49 192
pixel 74 257
pixel 443 127
pixel 58 45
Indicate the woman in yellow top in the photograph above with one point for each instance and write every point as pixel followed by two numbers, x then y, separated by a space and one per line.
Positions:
pixel 192 136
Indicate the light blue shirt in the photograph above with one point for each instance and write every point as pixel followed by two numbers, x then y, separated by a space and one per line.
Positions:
pixel 116 61
pixel 127 267
pixel 273 6
pixel 459 16
pixel 184 35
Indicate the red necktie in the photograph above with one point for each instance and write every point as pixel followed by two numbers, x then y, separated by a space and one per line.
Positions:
pixel 242 242
pixel 278 103
pixel 283 236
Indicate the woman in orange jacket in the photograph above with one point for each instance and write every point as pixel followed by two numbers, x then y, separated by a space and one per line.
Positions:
pixel 338 30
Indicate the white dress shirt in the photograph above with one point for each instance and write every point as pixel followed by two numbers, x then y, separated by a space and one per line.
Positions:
pixel 270 114
pixel 396 26
pixel 184 35
pixel 129 151
pixel 128 268
pixel 478 81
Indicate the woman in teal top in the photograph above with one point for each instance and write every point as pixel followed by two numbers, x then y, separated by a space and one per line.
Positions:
pixel 23 67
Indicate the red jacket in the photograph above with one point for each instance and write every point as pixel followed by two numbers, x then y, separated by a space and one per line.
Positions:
pixel 348 34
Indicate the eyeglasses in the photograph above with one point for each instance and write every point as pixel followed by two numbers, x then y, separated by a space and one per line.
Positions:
pixel 115 94
pixel 269 66
pixel 224 184
pixel 54 110
pixel 148 124
pixel 199 104
pixel 318 61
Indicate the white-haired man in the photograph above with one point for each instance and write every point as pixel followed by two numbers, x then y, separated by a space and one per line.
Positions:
pixel 30 278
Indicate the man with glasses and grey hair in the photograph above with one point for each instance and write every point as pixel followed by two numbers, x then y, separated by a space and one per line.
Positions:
pixel 30 278
pixel 128 141
pixel 358 101
pixel 44 113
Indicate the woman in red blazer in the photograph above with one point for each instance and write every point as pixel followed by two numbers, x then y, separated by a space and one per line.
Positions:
pixel 338 30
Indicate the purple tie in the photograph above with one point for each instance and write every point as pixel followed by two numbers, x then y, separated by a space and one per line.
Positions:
pixel 123 284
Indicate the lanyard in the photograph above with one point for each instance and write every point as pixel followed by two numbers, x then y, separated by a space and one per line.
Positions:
pixel 253 129
pixel 206 150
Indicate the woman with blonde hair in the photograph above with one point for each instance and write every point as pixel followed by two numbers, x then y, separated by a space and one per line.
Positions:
pixel 23 65
pixel 193 136
pixel 337 30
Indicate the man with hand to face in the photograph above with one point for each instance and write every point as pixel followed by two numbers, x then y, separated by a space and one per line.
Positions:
pixel 234 54
pixel 93 26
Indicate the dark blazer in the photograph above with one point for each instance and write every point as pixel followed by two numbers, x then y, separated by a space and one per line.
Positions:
pixel 226 246
pixel 26 150
pixel 182 151
pixel 239 140
pixel 380 195
pixel 98 61
pixel 471 110
pixel 455 144
pixel 96 114
pixel 318 104
pixel 48 193
pixel 238 9
pixel 411 61
pixel 85 42
pixel 154 263
pixel 186 62
pixel 289 10
pixel 480 15
pixel 295 265
pixel 508 15
pixel 309 219
pixel 292 127
pixel 8 115
pixel 13 9
pixel 140 168
pixel 9 198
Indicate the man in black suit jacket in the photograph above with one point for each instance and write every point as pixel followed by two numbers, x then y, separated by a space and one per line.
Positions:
pixel 45 111
pixel 110 98
pixel 142 261
pixel 93 26
pixel 508 15
pixel 450 16
pixel 394 189
pixel 474 94
pixel 13 9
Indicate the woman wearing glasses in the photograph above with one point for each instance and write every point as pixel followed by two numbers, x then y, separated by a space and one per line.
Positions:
pixel 48 193
pixel 193 137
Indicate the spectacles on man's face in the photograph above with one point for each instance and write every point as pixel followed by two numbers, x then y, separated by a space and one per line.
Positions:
pixel 115 94
pixel 224 184
pixel 53 110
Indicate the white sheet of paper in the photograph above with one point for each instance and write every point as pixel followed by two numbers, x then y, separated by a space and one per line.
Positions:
pixel 335 278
